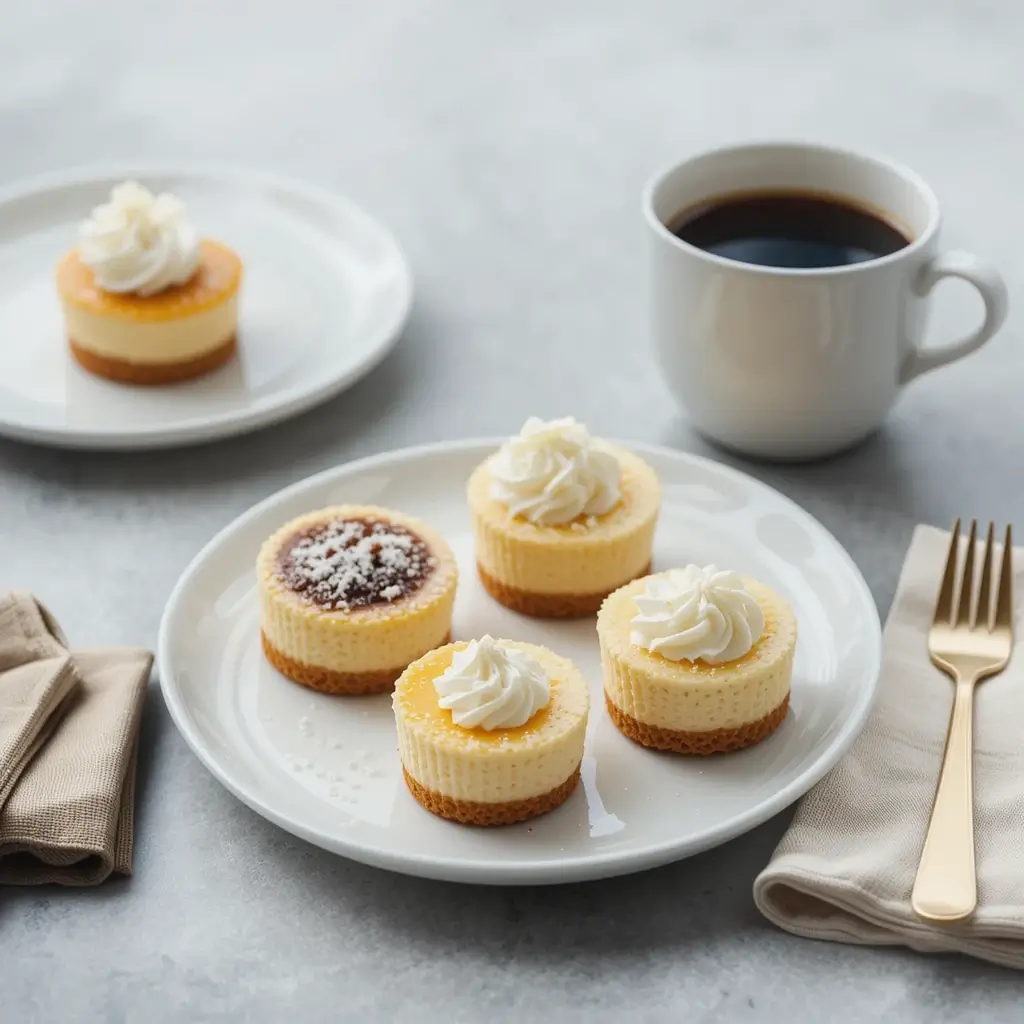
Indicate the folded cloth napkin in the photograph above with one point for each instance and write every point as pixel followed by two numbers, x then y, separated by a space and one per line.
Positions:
pixel 845 869
pixel 68 734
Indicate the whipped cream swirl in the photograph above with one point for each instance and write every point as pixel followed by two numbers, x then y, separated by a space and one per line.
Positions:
pixel 138 242
pixel 555 472
pixel 491 686
pixel 691 613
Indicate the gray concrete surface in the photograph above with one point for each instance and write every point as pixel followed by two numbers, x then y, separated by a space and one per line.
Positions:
pixel 506 144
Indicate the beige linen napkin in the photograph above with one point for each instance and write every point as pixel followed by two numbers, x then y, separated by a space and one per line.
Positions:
pixel 845 868
pixel 68 735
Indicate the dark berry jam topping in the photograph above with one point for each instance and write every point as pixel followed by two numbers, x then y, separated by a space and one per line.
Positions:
pixel 354 563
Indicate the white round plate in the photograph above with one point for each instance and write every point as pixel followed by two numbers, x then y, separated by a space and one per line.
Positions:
pixel 326 768
pixel 325 294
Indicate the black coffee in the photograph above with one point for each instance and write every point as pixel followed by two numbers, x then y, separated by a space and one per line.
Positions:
pixel 788 229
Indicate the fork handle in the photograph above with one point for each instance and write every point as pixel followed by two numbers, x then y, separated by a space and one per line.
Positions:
pixel 946 887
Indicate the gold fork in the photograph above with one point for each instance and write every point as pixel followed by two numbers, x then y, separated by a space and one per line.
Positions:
pixel 970 641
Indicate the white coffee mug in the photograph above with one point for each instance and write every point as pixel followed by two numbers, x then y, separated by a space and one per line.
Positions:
pixel 794 363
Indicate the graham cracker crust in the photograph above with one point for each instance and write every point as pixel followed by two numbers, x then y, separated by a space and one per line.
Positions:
pixel 549 606
pixel 467 812
pixel 326 680
pixel 714 741
pixel 147 374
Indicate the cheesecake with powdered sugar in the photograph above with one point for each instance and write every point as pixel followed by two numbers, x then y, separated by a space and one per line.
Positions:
pixel 351 595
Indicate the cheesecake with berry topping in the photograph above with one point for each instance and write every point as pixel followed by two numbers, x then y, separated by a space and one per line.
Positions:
pixel 350 595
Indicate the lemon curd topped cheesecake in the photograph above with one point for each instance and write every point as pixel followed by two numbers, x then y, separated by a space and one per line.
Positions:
pixel 491 732
pixel 145 300
pixel 696 660
pixel 561 519
pixel 350 595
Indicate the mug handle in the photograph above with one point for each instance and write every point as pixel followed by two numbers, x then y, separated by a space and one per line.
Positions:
pixel 990 286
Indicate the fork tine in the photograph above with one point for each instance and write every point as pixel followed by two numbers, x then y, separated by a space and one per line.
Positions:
pixel 1004 604
pixel 944 607
pixel 983 614
pixel 963 606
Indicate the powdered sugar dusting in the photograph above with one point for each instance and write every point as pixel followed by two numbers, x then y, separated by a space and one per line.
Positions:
pixel 352 563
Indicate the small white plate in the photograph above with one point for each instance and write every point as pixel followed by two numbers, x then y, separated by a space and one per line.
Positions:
pixel 325 294
pixel 326 768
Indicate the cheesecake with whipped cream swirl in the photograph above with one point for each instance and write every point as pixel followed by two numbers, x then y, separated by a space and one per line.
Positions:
pixel 491 732
pixel 697 660
pixel 145 299
pixel 561 519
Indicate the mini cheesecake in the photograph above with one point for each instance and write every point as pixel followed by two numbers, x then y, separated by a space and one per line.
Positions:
pixel 351 595
pixel 184 331
pixel 565 569
pixel 479 773
pixel 694 706
pixel 145 299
